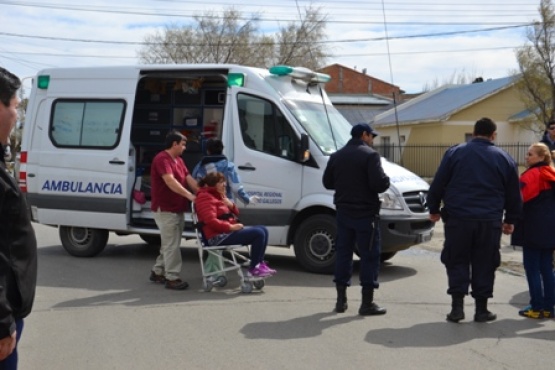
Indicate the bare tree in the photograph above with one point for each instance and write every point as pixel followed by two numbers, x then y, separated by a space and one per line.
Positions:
pixel 231 38
pixel 536 62
pixel 303 44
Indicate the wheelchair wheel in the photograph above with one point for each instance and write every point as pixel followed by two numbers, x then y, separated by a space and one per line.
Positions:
pixel 207 286
pixel 258 284
pixel 221 281
pixel 246 287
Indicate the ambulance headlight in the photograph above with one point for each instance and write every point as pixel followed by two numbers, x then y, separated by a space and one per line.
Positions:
pixel 390 200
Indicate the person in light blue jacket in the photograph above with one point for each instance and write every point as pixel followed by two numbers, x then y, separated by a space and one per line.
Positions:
pixel 215 161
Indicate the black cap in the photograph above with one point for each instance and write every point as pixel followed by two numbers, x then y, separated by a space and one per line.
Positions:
pixel 360 128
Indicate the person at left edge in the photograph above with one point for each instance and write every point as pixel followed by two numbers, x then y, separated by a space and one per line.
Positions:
pixel 355 173
pixel 169 177
pixel 18 245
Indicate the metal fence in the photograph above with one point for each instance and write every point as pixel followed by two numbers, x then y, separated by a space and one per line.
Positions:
pixel 423 160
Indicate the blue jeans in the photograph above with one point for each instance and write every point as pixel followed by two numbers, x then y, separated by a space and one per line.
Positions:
pixel 10 362
pixel 255 236
pixel 538 264
pixel 362 232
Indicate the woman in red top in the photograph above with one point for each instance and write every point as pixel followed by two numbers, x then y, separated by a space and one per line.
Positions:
pixel 535 231
pixel 220 225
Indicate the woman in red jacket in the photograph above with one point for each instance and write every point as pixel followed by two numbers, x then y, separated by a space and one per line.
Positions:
pixel 220 225
pixel 535 231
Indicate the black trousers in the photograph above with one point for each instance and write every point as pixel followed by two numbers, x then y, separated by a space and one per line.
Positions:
pixel 471 255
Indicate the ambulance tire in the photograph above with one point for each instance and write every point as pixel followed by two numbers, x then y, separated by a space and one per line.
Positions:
pixel 314 243
pixel 150 239
pixel 82 241
pixel 387 256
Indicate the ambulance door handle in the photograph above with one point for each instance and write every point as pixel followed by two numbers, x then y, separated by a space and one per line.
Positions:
pixel 247 167
pixel 116 161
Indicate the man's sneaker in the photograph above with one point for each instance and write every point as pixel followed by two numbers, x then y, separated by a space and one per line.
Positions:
pixel 530 313
pixel 259 272
pixel 158 279
pixel 177 284
pixel 264 266
pixel 548 314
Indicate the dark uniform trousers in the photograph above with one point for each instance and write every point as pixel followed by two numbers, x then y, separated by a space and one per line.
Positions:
pixel 367 238
pixel 471 255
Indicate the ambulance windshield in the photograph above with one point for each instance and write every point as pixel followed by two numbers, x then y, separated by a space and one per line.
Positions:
pixel 327 127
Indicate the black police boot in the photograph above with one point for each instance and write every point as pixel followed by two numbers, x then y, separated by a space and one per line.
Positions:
pixel 341 304
pixel 482 314
pixel 457 308
pixel 368 307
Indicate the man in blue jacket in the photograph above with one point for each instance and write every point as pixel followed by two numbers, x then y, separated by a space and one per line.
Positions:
pixel 478 184
pixel 355 173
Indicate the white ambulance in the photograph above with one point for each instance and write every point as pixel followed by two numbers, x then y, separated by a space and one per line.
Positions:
pixel 91 133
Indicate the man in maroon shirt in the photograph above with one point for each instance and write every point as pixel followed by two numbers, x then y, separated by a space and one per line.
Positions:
pixel 169 176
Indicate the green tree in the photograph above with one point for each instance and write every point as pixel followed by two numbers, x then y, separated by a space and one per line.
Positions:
pixel 536 64
pixel 232 38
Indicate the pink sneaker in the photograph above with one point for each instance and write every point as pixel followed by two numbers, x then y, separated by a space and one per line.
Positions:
pixel 264 266
pixel 259 272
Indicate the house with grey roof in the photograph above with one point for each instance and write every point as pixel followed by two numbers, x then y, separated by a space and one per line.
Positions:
pixel 357 108
pixel 447 115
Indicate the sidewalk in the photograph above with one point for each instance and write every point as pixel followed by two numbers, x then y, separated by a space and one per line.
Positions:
pixel 511 258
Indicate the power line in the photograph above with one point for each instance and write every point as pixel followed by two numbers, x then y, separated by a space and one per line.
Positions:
pixel 426 35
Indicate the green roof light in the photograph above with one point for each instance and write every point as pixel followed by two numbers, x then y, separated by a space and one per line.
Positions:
pixel 235 79
pixel 43 82
pixel 281 70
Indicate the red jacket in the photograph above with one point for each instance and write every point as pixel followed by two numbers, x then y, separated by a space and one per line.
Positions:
pixel 216 217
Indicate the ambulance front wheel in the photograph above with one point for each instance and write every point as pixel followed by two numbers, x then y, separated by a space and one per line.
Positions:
pixel 82 241
pixel 314 243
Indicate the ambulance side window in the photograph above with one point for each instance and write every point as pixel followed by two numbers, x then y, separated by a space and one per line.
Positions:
pixel 86 123
pixel 265 128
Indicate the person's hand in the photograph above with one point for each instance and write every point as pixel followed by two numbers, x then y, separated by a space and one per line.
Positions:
pixel 236 227
pixel 508 228
pixel 7 345
pixel 435 217
pixel 254 199
pixel 227 202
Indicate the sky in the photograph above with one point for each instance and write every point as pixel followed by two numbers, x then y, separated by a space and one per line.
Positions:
pixel 410 43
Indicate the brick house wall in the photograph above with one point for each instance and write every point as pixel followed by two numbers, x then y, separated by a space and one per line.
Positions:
pixel 345 80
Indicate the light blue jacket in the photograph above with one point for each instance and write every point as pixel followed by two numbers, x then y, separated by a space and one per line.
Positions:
pixel 220 163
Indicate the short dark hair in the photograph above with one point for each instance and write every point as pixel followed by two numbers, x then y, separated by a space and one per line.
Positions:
pixel 173 137
pixel 551 122
pixel 9 84
pixel 214 146
pixel 484 127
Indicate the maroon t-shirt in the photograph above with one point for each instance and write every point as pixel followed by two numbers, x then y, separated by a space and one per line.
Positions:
pixel 162 196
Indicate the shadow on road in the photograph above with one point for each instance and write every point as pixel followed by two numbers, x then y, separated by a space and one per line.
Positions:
pixel 444 334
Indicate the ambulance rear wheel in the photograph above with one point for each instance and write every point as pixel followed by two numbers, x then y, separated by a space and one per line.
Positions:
pixel 315 243
pixel 82 241
pixel 150 239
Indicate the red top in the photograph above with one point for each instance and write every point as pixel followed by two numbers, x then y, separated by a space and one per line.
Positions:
pixel 212 211
pixel 162 196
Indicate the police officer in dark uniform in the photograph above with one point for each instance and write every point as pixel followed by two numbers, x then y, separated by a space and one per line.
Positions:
pixel 355 173
pixel 478 184
pixel 549 135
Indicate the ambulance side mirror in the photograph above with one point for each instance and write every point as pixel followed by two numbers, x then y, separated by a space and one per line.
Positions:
pixel 304 152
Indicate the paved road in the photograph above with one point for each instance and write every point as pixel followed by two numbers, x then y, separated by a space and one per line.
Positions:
pixel 102 313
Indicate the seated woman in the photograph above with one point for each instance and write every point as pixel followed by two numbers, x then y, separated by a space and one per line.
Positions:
pixel 220 225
